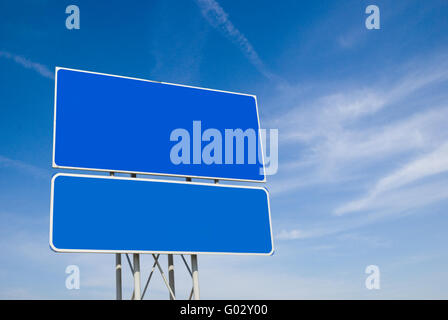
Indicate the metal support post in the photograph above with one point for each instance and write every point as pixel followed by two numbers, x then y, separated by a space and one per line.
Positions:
pixel 171 275
pixel 194 267
pixel 195 275
pixel 118 270
pixel 137 290
pixel 118 275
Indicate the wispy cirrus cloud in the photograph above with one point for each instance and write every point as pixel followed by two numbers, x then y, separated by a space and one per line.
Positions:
pixel 23 166
pixel 427 165
pixel 317 231
pixel 24 62
pixel 334 134
pixel 219 19
pixel 378 149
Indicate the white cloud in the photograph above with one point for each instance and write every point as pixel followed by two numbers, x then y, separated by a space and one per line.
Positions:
pixel 335 112
pixel 218 18
pixel 24 62
pixel 380 149
pixel 290 234
pixel 339 136
pixel 322 230
pixel 428 165
pixel 22 166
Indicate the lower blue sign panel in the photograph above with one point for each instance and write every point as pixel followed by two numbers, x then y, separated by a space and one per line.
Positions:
pixel 111 214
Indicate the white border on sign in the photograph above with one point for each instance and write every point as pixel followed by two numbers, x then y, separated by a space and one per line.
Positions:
pixel 162 181
pixel 54 165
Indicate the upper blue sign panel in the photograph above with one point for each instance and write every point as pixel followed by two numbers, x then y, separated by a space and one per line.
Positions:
pixel 112 123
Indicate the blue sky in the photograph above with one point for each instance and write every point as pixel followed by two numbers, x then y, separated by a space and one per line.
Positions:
pixel 363 140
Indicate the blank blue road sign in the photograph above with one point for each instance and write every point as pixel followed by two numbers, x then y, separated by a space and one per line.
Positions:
pixel 112 123
pixel 111 214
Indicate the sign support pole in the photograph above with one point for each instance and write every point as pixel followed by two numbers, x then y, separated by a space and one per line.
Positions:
pixel 137 291
pixel 195 275
pixel 118 275
pixel 118 271
pixel 136 256
pixel 194 268
pixel 171 275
